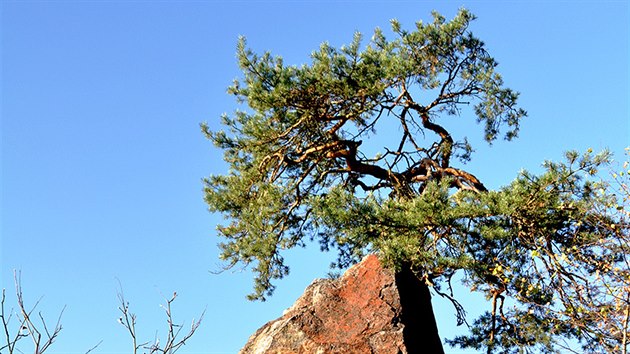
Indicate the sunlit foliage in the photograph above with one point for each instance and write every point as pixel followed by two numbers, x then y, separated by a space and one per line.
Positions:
pixel 307 163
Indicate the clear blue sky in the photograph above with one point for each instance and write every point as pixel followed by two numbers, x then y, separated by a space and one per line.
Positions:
pixel 102 157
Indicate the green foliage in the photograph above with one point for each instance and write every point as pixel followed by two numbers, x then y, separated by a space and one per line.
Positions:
pixel 548 255
pixel 299 170
pixel 299 140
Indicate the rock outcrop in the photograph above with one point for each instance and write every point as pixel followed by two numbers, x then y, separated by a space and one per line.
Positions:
pixel 367 310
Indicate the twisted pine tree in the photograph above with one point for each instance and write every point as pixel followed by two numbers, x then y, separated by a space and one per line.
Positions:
pixel 306 162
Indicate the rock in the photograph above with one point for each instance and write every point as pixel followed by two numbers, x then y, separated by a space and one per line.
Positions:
pixel 361 312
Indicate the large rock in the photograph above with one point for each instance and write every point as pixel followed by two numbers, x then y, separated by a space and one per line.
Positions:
pixel 361 312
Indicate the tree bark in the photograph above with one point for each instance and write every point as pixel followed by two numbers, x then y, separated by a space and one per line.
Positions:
pixel 420 332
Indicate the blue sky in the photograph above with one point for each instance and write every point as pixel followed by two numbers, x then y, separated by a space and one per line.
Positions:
pixel 102 157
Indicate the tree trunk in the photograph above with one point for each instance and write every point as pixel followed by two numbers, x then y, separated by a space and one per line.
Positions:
pixel 420 332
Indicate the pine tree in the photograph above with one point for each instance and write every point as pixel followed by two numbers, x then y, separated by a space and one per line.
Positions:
pixel 306 163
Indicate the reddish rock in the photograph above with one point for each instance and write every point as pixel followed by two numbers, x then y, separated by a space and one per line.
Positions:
pixel 361 312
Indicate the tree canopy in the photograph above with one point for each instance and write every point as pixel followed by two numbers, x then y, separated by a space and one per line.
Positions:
pixel 307 163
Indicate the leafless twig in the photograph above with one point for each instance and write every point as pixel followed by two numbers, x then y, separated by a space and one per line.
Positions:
pixel 94 347
pixel 26 327
pixel 172 343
